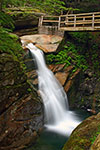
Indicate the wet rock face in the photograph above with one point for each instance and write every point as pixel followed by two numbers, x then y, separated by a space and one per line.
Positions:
pixel 47 43
pixel 25 20
pixel 64 75
pixel 84 135
pixel 21 113
pixel 85 92
pixel 82 88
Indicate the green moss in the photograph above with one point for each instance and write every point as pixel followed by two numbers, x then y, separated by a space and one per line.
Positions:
pixel 9 44
pixel 69 55
pixel 80 49
pixel 82 143
pixel 29 90
pixel 6 21
pixel 94 136
pixel 13 36
pixel 84 135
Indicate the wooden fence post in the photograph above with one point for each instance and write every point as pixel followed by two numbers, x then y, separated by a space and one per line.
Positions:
pixel 67 18
pixel 83 21
pixel 40 21
pixel 93 21
pixel 59 22
pixel 74 21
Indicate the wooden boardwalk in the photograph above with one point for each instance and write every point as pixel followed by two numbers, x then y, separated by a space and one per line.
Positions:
pixel 73 22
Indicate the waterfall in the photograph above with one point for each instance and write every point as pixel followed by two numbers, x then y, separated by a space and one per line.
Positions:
pixel 58 118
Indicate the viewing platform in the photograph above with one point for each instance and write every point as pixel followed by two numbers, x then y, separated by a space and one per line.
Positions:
pixel 72 22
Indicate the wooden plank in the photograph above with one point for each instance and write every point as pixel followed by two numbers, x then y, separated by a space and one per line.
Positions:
pixel 50 21
pixel 62 22
pixel 81 14
pixel 82 22
pixel 93 21
pixel 51 16
pixel 85 14
pixel 74 21
pixel 70 17
pixel 77 29
pixel 80 17
pixel 96 20
pixel 77 23
pixel 97 16
pixel 98 27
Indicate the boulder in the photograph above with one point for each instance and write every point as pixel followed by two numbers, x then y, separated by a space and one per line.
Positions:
pixel 84 135
pixel 47 43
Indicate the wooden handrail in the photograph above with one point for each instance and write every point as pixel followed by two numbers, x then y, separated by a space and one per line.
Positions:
pixel 51 16
pixel 75 20
pixel 89 20
pixel 50 20
pixel 80 14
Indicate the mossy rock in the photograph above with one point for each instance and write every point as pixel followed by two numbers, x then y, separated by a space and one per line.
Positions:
pixel 82 137
pixel 96 144
pixel 21 110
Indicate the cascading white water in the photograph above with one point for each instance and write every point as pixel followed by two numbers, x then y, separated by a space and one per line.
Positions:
pixel 57 114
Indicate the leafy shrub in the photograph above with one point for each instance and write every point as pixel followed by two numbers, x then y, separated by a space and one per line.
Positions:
pixel 70 56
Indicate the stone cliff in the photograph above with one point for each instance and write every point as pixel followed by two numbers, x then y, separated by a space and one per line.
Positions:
pixel 21 113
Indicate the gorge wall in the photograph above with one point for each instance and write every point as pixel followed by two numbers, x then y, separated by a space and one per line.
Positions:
pixel 84 89
pixel 21 110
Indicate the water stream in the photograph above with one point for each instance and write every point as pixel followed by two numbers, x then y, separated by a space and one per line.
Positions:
pixel 50 140
pixel 58 117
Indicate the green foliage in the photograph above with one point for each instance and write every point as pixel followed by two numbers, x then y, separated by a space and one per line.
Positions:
pixel 70 56
pixel 84 5
pixel 55 6
pixel 16 3
pixel 29 89
pixel 93 138
pixel 48 6
pixel 82 52
pixel 6 21
pixel 88 46
pixel 80 36
pixel 9 44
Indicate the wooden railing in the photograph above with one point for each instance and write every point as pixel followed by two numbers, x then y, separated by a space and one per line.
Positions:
pixel 73 22
pixel 49 21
